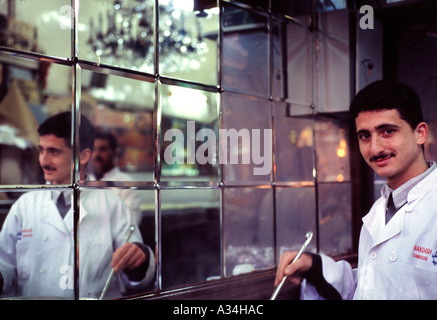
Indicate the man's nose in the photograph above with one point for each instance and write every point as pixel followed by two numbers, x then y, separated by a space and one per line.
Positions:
pixel 96 153
pixel 43 158
pixel 376 146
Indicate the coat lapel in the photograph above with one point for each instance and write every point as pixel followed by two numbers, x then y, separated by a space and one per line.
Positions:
pixel 52 217
pixel 374 222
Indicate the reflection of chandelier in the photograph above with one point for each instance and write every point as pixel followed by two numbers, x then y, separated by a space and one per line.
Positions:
pixel 128 40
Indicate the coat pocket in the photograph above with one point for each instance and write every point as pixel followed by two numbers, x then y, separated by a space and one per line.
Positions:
pixel 419 283
pixel 24 259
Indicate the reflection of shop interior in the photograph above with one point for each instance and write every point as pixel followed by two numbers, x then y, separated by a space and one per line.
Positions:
pixel 20 113
pixel 181 231
pixel 20 89
pixel 314 149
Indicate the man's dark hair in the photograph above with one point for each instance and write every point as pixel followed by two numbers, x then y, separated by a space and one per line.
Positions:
pixel 60 126
pixel 386 95
pixel 106 135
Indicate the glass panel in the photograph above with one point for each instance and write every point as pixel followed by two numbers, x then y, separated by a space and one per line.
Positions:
pixel 121 110
pixel 335 225
pixel 334 85
pixel 246 139
pixel 105 228
pixel 188 40
pixel 38 26
pixel 262 4
pixel 279 79
pixel 36 247
pixel 245 45
pixel 294 141
pixel 248 229
pixel 299 55
pixel 300 10
pixel 118 33
pixel 37 253
pixel 295 216
pixel 36 89
pixel 190 236
pixel 189 133
pixel 331 5
pixel 39 229
pixel 7 199
pixel 141 203
pixel 332 148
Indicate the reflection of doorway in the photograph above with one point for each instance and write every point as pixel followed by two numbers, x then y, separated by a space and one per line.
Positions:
pixel 410 42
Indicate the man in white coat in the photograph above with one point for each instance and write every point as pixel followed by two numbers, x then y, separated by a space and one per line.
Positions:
pixel 104 167
pixel 397 254
pixel 37 246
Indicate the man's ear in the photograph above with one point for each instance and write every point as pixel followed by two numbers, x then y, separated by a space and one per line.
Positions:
pixel 85 156
pixel 421 133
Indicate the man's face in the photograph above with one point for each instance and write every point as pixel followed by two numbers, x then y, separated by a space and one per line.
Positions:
pixel 55 159
pixel 103 156
pixel 390 146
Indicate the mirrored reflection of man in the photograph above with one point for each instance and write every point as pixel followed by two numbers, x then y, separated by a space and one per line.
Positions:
pixel 36 241
pixel 104 168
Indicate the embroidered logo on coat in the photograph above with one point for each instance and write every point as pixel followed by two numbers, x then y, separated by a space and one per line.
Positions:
pixel 25 233
pixel 434 258
pixel 422 253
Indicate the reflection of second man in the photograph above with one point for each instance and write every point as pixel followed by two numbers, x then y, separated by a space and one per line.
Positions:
pixel 37 242
pixel 104 167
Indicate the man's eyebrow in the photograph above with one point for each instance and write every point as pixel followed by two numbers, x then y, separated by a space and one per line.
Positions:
pixel 51 149
pixel 387 125
pixel 380 127
pixel 362 131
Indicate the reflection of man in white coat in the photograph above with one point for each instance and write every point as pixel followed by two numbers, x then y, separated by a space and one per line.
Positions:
pixel 104 168
pixel 397 256
pixel 36 242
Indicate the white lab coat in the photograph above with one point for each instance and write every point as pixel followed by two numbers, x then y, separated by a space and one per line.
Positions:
pixel 130 197
pixel 395 261
pixel 37 248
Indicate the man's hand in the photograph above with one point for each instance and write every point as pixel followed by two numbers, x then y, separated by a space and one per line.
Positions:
pixel 285 268
pixel 128 256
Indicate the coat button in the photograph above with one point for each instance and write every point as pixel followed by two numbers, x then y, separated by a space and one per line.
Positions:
pixel 393 257
pixel 372 255
pixel 42 270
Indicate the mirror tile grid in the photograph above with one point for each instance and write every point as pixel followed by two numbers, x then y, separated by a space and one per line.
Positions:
pixel 215 140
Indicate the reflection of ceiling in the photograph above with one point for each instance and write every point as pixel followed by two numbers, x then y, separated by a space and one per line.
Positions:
pixel 189 104
pixel 128 38
pixel 119 92
pixel 53 22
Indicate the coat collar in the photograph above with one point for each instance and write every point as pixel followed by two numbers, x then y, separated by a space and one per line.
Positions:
pixel 52 216
pixel 374 221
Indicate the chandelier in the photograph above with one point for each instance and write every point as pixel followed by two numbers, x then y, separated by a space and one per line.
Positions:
pixel 128 40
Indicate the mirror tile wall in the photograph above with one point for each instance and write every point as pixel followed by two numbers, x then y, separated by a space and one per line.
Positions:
pixel 213 111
